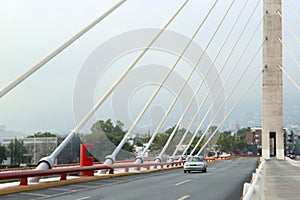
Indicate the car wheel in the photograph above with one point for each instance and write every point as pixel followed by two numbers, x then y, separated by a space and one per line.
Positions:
pixel 189 171
pixel 204 170
pixel 184 171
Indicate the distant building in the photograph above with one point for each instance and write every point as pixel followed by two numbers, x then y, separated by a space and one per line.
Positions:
pixel 254 136
pixel 254 141
pixel 291 142
pixel 37 148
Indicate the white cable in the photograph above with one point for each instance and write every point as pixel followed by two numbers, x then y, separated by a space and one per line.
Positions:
pixel 103 98
pixel 184 84
pixel 230 74
pixel 293 9
pixel 233 107
pixel 124 139
pixel 198 88
pixel 289 27
pixel 289 77
pixel 54 53
pixel 198 61
pixel 182 87
pixel 233 88
pixel 289 52
pixel 232 70
pixel 233 48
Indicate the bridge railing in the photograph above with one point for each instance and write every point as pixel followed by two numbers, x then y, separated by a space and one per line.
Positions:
pixel 252 190
pixel 64 165
pixel 63 172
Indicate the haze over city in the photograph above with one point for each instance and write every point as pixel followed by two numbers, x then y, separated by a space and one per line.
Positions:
pixel 44 102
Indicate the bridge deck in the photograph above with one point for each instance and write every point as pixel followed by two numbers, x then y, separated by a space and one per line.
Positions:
pixel 282 180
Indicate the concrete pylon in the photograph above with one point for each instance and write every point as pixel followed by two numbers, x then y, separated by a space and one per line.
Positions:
pixel 272 97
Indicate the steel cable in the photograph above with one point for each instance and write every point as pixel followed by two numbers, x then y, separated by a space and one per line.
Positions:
pixel 198 88
pixel 231 52
pixel 289 77
pixel 293 9
pixel 233 107
pixel 187 79
pixel 54 53
pixel 111 158
pixel 289 27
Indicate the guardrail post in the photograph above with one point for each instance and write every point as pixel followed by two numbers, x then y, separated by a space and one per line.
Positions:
pixel 63 177
pixel 24 181
pixel 111 171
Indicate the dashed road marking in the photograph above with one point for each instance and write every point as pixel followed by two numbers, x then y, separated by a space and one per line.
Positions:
pixel 184 197
pixel 182 182
pixel 36 194
pixel 60 189
pixel 83 198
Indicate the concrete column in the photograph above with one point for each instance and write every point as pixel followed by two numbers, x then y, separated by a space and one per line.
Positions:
pixel 272 98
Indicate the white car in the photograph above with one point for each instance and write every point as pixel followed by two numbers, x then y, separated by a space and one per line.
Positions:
pixel 195 163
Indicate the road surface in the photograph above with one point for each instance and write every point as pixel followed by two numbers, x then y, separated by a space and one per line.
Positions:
pixel 223 180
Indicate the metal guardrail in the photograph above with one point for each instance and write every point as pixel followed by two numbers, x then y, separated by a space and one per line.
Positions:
pixel 64 165
pixel 252 189
pixel 24 175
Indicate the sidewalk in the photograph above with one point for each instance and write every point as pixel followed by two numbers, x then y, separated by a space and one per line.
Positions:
pixel 282 180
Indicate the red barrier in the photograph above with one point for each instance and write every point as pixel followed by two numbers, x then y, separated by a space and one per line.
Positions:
pixel 84 160
pixel 24 175
pixel 210 159
pixel 224 157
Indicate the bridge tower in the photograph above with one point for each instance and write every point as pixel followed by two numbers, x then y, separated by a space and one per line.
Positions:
pixel 272 93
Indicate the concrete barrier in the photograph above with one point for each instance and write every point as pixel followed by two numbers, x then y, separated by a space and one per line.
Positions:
pixel 293 162
pixel 254 189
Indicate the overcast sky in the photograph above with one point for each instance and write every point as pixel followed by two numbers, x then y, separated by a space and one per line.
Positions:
pixel 31 29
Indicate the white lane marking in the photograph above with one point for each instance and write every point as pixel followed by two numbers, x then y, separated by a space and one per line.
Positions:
pixel 36 194
pixel 184 197
pixel 60 189
pixel 182 182
pixel 83 198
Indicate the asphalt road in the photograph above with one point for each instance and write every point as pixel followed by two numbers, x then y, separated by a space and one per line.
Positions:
pixel 223 180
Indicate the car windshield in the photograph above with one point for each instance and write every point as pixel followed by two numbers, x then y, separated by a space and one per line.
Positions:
pixel 194 159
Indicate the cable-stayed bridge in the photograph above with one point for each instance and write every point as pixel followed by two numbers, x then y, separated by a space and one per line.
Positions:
pixel 206 73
